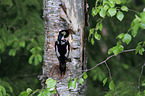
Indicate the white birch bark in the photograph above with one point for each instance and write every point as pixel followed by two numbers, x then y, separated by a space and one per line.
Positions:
pixel 53 24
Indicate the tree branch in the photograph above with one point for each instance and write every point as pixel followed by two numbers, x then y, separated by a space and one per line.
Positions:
pixel 140 78
pixel 111 77
pixel 130 50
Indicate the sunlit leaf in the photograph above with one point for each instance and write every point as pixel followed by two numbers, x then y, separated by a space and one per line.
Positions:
pixel 74 83
pixel 137 48
pixel 112 11
pixel 51 84
pixel 94 11
pixel 124 8
pixel 81 80
pixel 106 7
pixel 69 83
pixel 111 85
pixel 141 51
pixel 92 41
pixel 118 1
pixel 117 49
pixel 85 75
pixel 39 57
pixel 2 90
pixel 29 90
pixel 31 59
pixel 120 15
pixel 22 44
pixel 102 13
pixel 104 81
pixel 97 36
pixel 127 38
pixel 120 36
pixel 142 15
pixel 12 52
pixel 112 3
pixel 110 50
pixel 135 26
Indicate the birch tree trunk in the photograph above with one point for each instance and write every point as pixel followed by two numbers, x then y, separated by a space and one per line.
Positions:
pixel 53 23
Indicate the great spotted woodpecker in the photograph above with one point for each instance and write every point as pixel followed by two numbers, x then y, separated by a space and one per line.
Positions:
pixel 62 48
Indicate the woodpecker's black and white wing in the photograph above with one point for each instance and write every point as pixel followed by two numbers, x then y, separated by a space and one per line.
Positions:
pixel 56 49
pixel 67 48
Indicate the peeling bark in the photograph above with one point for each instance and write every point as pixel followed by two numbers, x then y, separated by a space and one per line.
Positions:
pixel 74 19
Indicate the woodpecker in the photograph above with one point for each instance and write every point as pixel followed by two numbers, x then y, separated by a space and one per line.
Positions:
pixel 62 49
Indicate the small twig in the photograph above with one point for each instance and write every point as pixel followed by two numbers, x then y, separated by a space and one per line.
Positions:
pixel 140 78
pixel 109 71
pixel 119 8
pixel 111 77
pixel 24 76
pixel 35 92
pixel 133 11
pixel 130 50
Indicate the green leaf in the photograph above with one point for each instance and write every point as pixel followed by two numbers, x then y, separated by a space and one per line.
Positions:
pixel 91 31
pixel 69 83
pixel 92 41
pixel 100 26
pixel 104 81
pixel 117 49
pixel 81 80
pixel 138 94
pixel 22 44
pixel 3 91
pixel 39 57
pixel 142 15
pixel 119 43
pixel 105 2
pixel 112 3
pixel 112 11
pixel 124 8
pixel 137 48
pixel 135 26
pixel 85 75
pixel 29 90
pixel 127 38
pixel 111 85
pixel 125 66
pixel 24 93
pixel 110 50
pixel 31 59
pixel 120 15
pixel 94 11
pixel 106 7
pixel 51 84
pixel 36 60
pixel 97 36
pixel 120 36
pixel 102 13
pixel 118 1
pixel 47 92
pixel 33 50
pixel 74 83
pixel 141 51
pixel 12 52
pixel 142 25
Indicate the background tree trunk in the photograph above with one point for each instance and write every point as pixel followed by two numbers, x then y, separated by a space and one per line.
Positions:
pixel 53 23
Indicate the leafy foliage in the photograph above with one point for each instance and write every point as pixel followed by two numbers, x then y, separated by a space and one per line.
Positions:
pixel 115 37
pixel 21 29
